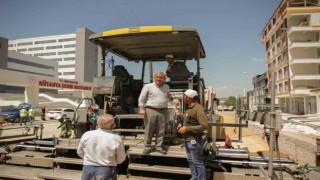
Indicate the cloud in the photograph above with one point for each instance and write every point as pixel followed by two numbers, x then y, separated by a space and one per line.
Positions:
pixel 220 88
pixel 258 59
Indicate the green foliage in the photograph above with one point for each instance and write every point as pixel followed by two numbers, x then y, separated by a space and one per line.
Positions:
pixel 231 101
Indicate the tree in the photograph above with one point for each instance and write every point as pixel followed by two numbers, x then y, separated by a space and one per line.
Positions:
pixel 231 101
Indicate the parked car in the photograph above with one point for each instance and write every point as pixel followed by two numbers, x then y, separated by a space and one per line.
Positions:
pixel 230 108
pixel 60 112
pixel 11 114
pixel 26 105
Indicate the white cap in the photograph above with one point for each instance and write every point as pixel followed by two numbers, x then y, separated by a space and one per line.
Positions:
pixel 191 93
pixel 169 56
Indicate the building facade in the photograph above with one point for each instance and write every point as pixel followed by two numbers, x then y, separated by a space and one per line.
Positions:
pixel 260 92
pixel 292 42
pixel 17 62
pixel 77 57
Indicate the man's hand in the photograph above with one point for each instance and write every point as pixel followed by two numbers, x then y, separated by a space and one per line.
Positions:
pixel 264 134
pixel 142 111
pixel 182 130
pixel 175 101
pixel 176 111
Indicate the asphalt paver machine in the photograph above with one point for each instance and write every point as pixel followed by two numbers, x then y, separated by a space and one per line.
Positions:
pixel 118 94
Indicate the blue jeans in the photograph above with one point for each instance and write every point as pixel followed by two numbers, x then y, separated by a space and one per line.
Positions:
pixel 195 159
pixel 99 173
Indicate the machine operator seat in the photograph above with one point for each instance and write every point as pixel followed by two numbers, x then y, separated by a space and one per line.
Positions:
pixel 179 76
pixel 122 72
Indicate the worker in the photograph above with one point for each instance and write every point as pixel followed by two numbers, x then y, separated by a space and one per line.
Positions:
pixel 65 127
pixel 101 150
pixel 171 61
pixel 93 117
pixel 43 113
pixel 266 135
pixel 23 115
pixel 195 124
pixel 31 114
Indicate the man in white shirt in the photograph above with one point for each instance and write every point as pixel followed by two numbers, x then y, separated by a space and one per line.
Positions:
pixel 153 104
pixel 101 150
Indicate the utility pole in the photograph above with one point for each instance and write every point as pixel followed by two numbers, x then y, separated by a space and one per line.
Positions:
pixel 272 128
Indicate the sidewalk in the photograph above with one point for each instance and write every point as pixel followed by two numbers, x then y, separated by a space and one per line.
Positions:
pixel 298 141
pixel 250 139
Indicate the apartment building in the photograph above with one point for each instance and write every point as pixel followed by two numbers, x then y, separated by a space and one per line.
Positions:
pixel 251 101
pixel 292 42
pixel 77 57
pixel 260 92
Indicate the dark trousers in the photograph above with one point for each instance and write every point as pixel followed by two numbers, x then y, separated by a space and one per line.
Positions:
pixel 23 119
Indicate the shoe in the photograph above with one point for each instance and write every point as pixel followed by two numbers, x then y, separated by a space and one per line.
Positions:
pixel 146 151
pixel 162 151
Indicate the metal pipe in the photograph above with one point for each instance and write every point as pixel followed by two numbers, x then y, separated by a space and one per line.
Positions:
pixel 41 130
pixel 103 62
pixel 271 142
pixel 240 130
pixel 41 142
pixel 233 155
pixel 151 72
pixel 198 66
pixel 263 171
pixel 265 159
pixel 234 162
pixel 232 150
pixel 143 70
pixel 36 147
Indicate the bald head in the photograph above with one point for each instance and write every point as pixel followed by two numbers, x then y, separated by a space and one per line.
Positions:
pixel 106 121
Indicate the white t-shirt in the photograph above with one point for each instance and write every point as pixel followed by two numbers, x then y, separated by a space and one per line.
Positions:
pixel 101 148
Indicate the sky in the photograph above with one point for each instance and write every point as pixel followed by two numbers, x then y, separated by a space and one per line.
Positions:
pixel 230 30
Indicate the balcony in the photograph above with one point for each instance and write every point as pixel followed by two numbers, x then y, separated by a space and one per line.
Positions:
pixel 305 3
pixel 300 91
pixel 304 61
pixel 305 77
pixel 304 44
pixel 296 29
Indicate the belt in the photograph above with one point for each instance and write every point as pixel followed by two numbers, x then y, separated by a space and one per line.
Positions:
pixel 157 109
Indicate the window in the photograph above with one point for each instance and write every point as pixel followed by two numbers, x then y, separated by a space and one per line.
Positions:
pixel 67 39
pixel 273 39
pixel 69 58
pixel 36 49
pixel 67 66
pixel 56 59
pixel 45 54
pixel 45 41
pixel 69 46
pixel 25 44
pixel 68 73
pixel 66 52
pixel 54 47
pixel 18 61
pixel 21 50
